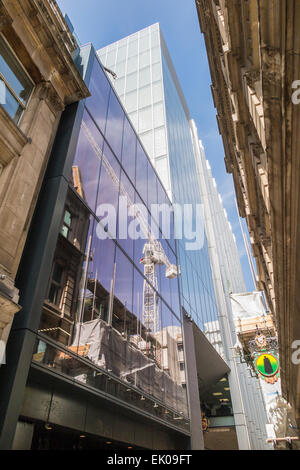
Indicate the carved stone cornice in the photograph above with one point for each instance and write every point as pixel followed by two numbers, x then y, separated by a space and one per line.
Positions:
pixel 252 76
pixel 5 18
pixel 48 93
pixel 51 46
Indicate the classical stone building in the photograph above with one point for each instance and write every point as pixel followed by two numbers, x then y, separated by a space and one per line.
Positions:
pixel 253 51
pixel 38 77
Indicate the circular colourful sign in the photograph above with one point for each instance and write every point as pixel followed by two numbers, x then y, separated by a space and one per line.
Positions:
pixel 267 365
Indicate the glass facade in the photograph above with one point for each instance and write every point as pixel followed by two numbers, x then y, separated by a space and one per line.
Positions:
pixel 137 62
pixel 151 94
pixel 93 324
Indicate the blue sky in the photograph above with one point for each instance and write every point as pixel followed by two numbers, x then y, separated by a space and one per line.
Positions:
pixel 105 21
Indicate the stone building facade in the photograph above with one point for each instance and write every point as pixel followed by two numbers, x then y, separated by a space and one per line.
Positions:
pixel 38 77
pixel 253 52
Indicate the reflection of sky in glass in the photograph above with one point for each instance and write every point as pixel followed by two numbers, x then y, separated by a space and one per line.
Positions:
pixel 129 162
pixel 12 71
pixel 109 153
pixel 11 78
pixel 196 279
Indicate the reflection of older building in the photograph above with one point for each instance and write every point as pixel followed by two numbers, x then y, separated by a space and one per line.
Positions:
pixel 149 88
pixel 39 78
pixel 59 311
pixel 169 338
pixel 91 359
pixel 254 60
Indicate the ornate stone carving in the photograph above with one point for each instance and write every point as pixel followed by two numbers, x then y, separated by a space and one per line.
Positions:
pixel 48 93
pixel 5 18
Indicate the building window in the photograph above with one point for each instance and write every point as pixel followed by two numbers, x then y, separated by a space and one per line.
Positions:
pixel 56 284
pixel 181 365
pixel 66 228
pixel 17 84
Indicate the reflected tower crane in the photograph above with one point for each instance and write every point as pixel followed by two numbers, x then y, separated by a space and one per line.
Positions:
pixel 153 252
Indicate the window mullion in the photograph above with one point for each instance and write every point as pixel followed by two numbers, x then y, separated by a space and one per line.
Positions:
pixel 12 91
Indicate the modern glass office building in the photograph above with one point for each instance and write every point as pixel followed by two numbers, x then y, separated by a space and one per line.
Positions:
pixel 151 94
pixel 101 314
pixel 103 309
pixel 147 84
pixel 110 344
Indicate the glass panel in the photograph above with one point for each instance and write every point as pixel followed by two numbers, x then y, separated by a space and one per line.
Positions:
pixel 147 140
pixel 144 59
pixel 175 304
pixel 98 101
pixel 145 77
pixel 132 64
pixel 111 58
pixel 120 69
pixel 11 105
pixel 161 166
pixel 112 47
pixel 119 85
pixel 158 115
pixel 65 231
pixel 132 48
pixel 67 218
pixel 124 219
pixel 144 43
pixel 164 287
pixel 102 263
pixel 122 315
pixel 109 177
pixel 144 96
pixel 156 72
pixel 131 82
pixel 134 119
pixel 129 150
pixel 131 101
pixel 152 186
pixel 141 173
pixel 102 55
pixel 87 161
pixel 155 55
pixel 160 141
pixel 122 53
pixel 157 92
pixel 145 119
pixel 114 126
pixel 154 38
pixel 139 243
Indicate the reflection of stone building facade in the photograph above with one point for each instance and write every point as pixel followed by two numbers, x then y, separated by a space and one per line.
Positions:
pixel 148 87
pixel 59 310
pixel 83 297
pixel 40 78
pixel 253 54
pixel 169 339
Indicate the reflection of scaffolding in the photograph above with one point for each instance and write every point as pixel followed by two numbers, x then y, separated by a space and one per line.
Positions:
pixel 153 256
pixel 153 251
pixel 150 299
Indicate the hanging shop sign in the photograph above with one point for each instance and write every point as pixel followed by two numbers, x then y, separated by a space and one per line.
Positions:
pixel 267 366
